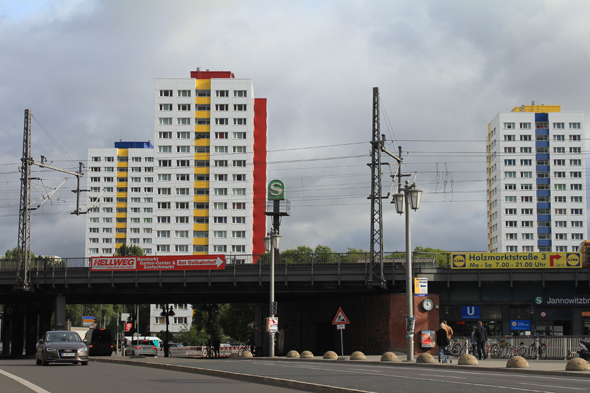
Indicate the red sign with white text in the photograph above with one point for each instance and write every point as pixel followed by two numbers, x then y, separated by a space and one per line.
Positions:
pixel 160 262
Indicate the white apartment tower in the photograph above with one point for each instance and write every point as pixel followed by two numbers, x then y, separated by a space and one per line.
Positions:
pixel 199 187
pixel 536 180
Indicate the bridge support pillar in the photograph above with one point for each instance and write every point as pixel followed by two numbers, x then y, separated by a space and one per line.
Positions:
pixel 18 327
pixel 32 317
pixel 45 318
pixel 7 329
pixel 60 312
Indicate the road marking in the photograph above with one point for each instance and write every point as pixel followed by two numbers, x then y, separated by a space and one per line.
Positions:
pixel 549 386
pixel 31 386
pixel 446 376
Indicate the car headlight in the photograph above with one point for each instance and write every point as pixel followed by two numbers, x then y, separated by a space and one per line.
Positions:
pixel 83 349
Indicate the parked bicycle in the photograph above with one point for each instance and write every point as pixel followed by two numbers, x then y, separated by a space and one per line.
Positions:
pixel 459 348
pixel 539 348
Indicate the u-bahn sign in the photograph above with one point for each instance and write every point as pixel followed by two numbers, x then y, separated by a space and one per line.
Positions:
pixel 516 260
pixel 159 262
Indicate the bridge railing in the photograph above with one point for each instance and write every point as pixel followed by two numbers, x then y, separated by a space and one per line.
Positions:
pixel 245 260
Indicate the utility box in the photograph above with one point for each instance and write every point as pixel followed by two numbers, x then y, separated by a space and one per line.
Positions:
pixel 427 339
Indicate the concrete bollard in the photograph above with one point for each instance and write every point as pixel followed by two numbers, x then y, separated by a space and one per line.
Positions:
pixel 468 360
pixel 247 354
pixel 425 358
pixel 577 364
pixel 358 355
pixel 517 362
pixel 293 354
pixel 389 357
pixel 330 355
pixel 306 355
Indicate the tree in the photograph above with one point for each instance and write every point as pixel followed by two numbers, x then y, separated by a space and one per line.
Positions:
pixel 15 254
pixel 126 250
pixel 441 256
pixel 191 335
pixel 206 319
pixel 237 321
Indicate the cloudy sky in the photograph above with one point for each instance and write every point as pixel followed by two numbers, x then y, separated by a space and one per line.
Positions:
pixel 86 69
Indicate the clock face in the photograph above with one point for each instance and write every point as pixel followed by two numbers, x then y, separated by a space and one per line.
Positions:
pixel 427 304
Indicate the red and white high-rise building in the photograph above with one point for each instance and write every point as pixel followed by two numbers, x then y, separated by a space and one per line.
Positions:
pixel 199 187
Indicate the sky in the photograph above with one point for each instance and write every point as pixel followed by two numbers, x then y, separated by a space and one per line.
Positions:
pixel 444 69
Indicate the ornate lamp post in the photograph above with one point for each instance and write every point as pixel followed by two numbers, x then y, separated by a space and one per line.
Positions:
pixel 271 244
pixel 410 198
pixel 167 311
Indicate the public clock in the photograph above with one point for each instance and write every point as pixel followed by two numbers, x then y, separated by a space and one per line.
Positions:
pixel 427 304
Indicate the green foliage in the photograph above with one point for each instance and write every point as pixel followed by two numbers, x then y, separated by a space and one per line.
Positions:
pixel 237 321
pixel 304 254
pixel 126 250
pixel 441 256
pixel 206 320
pixel 191 336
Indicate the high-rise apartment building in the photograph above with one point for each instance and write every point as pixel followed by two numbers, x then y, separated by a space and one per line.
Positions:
pixel 536 180
pixel 199 187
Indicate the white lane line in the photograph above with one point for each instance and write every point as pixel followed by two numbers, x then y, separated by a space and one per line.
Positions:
pixel 549 386
pixel 443 376
pixel 24 382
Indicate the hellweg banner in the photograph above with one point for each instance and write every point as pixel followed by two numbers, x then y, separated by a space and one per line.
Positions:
pixel 516 260
pixel 160 262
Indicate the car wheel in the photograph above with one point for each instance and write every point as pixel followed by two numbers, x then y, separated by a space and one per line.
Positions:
pixel 84 363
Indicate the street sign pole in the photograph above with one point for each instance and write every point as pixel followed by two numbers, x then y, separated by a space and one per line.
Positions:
pixel 341 340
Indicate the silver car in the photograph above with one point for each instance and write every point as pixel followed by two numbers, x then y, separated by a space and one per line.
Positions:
pixel 142 348
pixel 61 346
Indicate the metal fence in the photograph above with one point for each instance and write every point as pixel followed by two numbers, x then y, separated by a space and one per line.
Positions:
pixel 558 347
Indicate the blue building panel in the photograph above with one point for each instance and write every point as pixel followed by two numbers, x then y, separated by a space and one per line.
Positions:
pixel 544 243
pixel 542 156
pixel 541 117
pixel 133 145
pixel 542 168
pixel 541 143
pixel 542 131
pixel 543 217
pixel 543 180
pixel 544 205
pixel 543 230
pixel 543 193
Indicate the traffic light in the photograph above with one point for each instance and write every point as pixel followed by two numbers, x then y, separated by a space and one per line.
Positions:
pixel 274 308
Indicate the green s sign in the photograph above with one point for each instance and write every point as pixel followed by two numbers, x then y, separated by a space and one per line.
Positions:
pixel 276 190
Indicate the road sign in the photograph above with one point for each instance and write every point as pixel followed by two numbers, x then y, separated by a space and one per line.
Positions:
pixel 158 262
pixel 340 326
pixel 340 318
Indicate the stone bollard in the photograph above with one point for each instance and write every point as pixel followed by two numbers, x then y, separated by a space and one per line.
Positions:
pixel 389 357
pixel 358 355
pixel 425 358
pixel 467 360
pixel 247 354
pixel 330 355
pixel 293 354
pixel 577 364
pixel 306 355
pixel 517 362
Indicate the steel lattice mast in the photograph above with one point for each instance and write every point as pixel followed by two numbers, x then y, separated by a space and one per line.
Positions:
pixel 376 254
pixel 24 227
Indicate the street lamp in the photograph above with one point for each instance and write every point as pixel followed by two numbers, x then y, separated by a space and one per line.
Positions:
pixel 410 198
pixel 271 243
pixel 167 311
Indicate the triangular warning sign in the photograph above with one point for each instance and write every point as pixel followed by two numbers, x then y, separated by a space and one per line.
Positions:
pixel 340 318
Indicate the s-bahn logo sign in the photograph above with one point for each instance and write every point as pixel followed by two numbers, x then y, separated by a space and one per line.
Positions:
pixel 160 262
pixel 276 190
pixel 516 260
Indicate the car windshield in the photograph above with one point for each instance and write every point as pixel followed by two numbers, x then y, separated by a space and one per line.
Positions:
pixel 63 337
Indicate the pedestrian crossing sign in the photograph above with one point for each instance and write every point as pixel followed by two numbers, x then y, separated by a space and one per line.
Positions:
pixel 340 318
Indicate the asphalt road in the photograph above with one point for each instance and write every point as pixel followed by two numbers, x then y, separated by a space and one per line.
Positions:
pixel 116 374
pixel 110 377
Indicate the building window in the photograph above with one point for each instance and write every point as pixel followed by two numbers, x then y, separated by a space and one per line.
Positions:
pixel 242 163
pixel 181 163
pixel 221 121
pixel 509 137
pixel 510 199
pixel 526 198
pixel 165 121
pixel 183 121
pixel 559 138
pixel 575 174
pixel 221 163
pixel 559 187
pixel 240 107
pixel 560 224
pixel 220 220
pixel 574 125
pixel 165 93
pixel 239 191
pixel 526 162
pixel 525 150
pixel 510 150
pixel 164 135
pixel 526 212
pixel 220 177
pixel 220 206
pixel 203 108
pixel 183 135
pixel 509 162
pixel 240 93
pixel 238 234
pixel 240 122
pixel 577 212
pixel 220 191
pixel 221 107
pixel 220 234
pixel 575 150
pixel 511 248
pixel 525 126
pixel 575 186
pixel 218 248
pixel 558 126
pixel 576 199
pixel 238 205
pixel 221 93
pixel 577 224
pixel 528 236
pixel 558 174
pixel 163 234
pixel 238 249
pixel 239 149
pixel 221 149
pixel 526 174
pixel 575 162
pixel 238 220
pixel 221 135
pixel 239 135
pixel 509 126
pixel 163 248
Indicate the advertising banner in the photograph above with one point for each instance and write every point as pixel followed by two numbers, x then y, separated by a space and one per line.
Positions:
pixel 516 260
pixel 520 324
pixel 420 286
pixel 160 262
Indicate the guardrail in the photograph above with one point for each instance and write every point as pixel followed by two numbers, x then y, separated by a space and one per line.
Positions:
pixel 201 351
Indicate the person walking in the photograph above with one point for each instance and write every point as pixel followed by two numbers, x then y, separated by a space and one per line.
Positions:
pixel 473 341
pixel 481 336
pixel 442 340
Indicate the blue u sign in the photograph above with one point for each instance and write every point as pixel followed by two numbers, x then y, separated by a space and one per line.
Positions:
pixel 470 312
